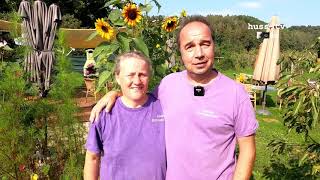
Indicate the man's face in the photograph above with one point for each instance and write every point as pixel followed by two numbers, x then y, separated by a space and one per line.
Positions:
pixel 197 48
pixel 133 79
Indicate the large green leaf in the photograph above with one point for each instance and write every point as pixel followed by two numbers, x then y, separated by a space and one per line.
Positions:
pixel 93 35
pixel 157 4
pixel 111 2
pixel 101 47
pixel 106 49
pixel 161 69
pixel 103 78
pixel 285 77
pixel 106 52
pixel 301 100
pixel 146 7
pixel 288 90
pixel 303 159
pixel 316 69
pixel 141 46
pixel 124 41
pixel 114 15
pixel 119 22
pixel 315 112
pixel 7 48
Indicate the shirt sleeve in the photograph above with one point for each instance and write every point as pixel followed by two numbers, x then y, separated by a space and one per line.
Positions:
pixel 245 121
pixel 95 135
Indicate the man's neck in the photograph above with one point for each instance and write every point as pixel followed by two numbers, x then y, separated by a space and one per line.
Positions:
pixel 203 79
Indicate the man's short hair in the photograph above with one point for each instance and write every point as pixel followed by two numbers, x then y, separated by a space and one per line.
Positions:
pixel 190 19
pixel 132 54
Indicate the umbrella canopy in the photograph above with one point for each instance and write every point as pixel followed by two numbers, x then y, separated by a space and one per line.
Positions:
pixel 25 11
pixel 266 69
pixel 51 26
pixel 39 25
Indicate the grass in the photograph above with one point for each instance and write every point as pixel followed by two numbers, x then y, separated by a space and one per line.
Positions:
pixel 230 72
pixel 270 127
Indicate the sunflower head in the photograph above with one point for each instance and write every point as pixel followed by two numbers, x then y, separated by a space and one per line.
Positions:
pixel 183 13
pixel 170 23
pixel 104 29
pixel 131 14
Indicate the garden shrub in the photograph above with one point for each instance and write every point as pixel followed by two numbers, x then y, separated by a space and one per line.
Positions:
pixel 40 136
pixel 299 87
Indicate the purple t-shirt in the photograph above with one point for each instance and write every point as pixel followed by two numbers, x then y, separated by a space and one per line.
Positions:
pixel 201 131
pixel 131 142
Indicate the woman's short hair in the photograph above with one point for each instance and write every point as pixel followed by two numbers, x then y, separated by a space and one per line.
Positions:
pixel 132 54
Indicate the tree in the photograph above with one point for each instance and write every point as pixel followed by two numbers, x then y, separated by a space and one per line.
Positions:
pixel 300 114
pixel 84 10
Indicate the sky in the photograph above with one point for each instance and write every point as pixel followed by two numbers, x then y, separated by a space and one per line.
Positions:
pixel 290 12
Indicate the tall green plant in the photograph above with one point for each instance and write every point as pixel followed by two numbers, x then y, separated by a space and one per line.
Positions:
pixel 18 130
pixel 67 133
pixel 40 137
pixel 301 90
pixel 20 119
pixel 128 27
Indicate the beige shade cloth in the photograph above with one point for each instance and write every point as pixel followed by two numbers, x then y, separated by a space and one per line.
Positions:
pixel 76 38
pixel 266 69
pixel 6 26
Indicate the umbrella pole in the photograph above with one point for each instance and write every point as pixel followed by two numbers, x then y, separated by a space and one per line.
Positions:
pixel 264 111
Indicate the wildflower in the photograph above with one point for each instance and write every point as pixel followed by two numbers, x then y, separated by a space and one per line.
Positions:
pixel 22 167
pixel 104 29
pixel 170 23
pixel 158 46
pixel 131 14
pixel 183 13
pixel 241 78
pixel 34 177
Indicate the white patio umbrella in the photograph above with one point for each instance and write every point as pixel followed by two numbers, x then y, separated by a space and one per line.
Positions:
pixel 266 69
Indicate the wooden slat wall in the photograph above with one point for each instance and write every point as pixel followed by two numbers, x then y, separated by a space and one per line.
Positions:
pixel 77 63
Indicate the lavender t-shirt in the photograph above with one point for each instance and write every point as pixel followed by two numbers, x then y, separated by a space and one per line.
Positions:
pixel 131 142
pixel 201 131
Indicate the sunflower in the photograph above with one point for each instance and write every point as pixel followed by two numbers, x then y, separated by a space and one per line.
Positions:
pixel 170 23
pixel 104 29
pixel 183 13
pixel 131 14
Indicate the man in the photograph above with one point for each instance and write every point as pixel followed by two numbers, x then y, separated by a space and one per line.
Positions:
pixel 130 139
pixel 206 113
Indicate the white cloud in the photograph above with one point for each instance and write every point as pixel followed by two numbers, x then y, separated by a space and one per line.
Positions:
pixel 223 12
pixel 250 4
